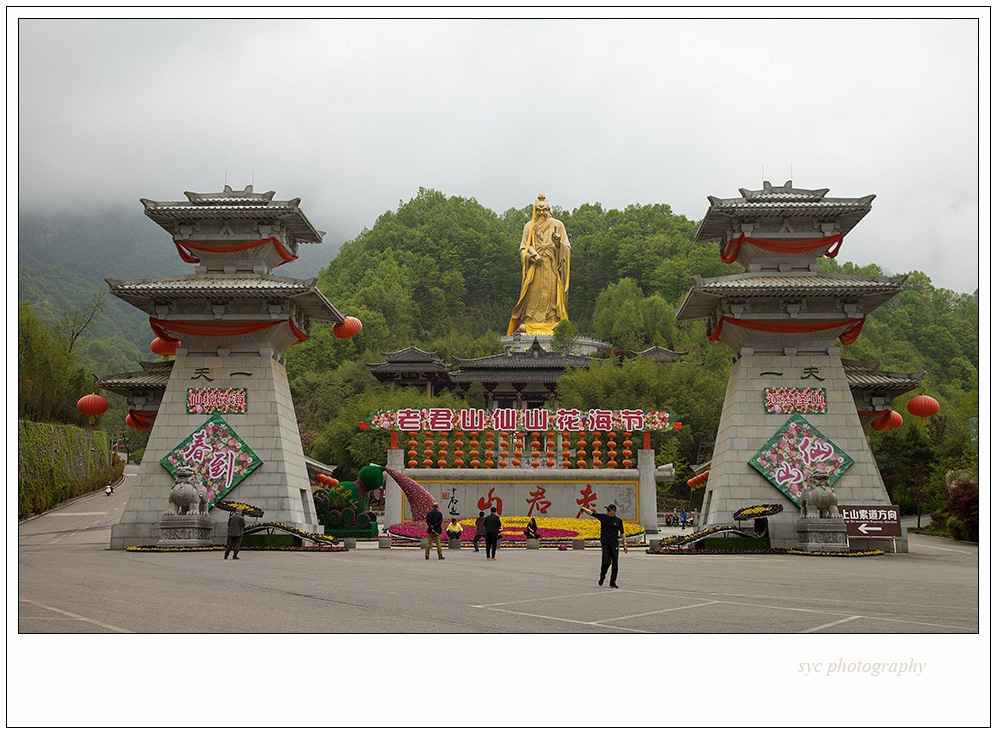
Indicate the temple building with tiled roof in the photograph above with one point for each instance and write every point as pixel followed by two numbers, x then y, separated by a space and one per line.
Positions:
pixel 412 367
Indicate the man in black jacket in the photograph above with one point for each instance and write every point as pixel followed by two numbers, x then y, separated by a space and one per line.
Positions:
pixel 434 530
pixel 236 526
pixel 492 527
pixel 612 529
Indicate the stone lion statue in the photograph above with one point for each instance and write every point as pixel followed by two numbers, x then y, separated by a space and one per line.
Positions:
pixel 818 498
pixel 187 496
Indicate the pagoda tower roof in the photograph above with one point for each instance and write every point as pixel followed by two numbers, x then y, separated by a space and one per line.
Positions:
pixel 234 205
pixel 154 376
pixel 144 293
pixel 707 294
pixel 780 201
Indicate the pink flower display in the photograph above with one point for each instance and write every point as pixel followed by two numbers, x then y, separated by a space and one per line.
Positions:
pixel 419 498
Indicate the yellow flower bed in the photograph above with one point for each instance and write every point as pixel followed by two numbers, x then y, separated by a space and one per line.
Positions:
pixel 586 528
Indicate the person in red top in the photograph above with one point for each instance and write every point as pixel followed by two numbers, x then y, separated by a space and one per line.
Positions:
pixel 478 530
pixel 612 529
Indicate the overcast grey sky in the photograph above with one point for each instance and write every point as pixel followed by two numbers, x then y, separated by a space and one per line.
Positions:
pixel 353 116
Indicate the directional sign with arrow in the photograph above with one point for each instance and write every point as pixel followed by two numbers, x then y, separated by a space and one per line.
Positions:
pixel 871 520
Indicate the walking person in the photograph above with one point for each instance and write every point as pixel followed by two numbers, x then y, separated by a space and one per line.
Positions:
pixel 108 491
pixel 612 529
pixel 434 530
pixel 478 531
pixel 236 527
pixel 492 527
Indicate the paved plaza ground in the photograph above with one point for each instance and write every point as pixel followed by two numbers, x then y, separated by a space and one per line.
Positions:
pixel 70 582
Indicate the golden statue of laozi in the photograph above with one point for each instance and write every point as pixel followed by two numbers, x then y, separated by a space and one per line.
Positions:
pixel 545 252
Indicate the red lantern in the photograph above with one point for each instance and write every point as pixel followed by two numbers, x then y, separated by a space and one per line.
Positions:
pixel 349 328
pixel 130 420
pixel 92 405
pixel 162 346
pixel 923 406
pixel 887 422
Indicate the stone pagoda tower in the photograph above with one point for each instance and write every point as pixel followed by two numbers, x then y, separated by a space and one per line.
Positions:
pixel 789 409
pixel 226 409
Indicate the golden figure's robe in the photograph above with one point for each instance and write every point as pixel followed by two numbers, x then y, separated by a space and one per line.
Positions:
pixel 543 297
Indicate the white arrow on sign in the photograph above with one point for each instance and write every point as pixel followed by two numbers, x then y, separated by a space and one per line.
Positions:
pixel 865 528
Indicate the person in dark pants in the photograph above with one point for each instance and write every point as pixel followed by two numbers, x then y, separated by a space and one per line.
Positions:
pixel 236 526
pixel 612 529
pixel 434 530
pixel 478 530
pixel 492 527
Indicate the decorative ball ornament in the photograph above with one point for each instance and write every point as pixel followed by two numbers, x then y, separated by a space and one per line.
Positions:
pixel 160 346
pixel 923 406
pixel 92 405
pixel 349 328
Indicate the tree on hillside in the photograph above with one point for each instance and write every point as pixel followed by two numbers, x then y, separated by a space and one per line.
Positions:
pixel 50 380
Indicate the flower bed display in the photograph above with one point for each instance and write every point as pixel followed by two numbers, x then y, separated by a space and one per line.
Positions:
pixel 757 511
pixel 693 537
pixel 514 528
pixel 247 510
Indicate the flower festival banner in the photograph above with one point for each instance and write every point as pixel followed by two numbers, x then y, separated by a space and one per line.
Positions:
pixel 795 400
pixel 510 419
pixel 216 400
pixel 796 451
pixel 219 456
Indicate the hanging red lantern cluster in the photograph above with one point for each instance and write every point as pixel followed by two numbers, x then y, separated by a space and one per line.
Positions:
pixel 92 405
pixel 348 328
pixel 699 480
pixel 887 422
pixel 160 346
pixel 923 406
pixel 326 480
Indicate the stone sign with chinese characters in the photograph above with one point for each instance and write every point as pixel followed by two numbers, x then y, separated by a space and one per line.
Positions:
pixel 216 400
pixel 554 498
pixel 796 451
pixel 795 400
pixel 510 419
pixel 218 455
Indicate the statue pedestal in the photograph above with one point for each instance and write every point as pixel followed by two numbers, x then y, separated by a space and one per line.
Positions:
pixel 821 534
pixel 185 530
pixel 520 342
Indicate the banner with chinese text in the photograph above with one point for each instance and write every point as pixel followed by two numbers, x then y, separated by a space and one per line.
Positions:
pixel 220 457
pixel 510 419
pixel 216 400
pixel 795 400
pixel 796 451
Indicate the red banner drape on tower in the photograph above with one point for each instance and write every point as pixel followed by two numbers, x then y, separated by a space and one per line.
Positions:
pixel 163 327
pixel 848 337
pixel 183 248
pixel 781 246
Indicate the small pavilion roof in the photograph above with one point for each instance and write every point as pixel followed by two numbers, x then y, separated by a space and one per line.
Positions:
pixel 780 201
pixel 154 376
pixel 661 354
pixel 233 205
pixel 144 292
pixel 410 360
pixel 860 376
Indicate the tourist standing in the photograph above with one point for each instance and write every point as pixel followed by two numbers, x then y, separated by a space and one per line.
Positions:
pixel 434 530
pixel 478 530
pixel 612 529
pixel 492 527
pixel 684 518
pixel 236 527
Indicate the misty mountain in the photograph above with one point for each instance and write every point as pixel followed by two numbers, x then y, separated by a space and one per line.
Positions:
pixel 63 259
